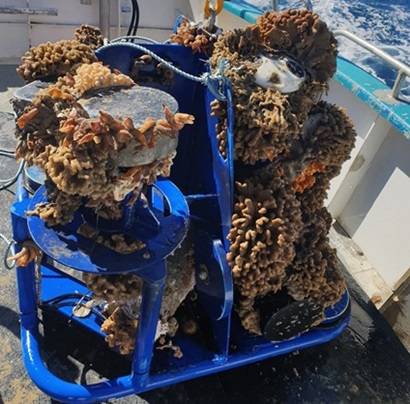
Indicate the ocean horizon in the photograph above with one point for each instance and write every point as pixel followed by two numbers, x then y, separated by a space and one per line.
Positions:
pixel 384 23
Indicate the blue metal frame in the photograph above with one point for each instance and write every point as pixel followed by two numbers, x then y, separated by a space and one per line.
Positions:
pixel 206 181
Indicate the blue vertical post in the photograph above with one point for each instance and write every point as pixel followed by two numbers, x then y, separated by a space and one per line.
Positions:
pixel 26 280
pixel 152 292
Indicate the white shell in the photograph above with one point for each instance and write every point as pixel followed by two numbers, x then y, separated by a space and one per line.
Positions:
pixel 275 72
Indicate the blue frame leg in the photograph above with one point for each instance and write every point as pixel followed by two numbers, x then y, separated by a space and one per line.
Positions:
pixel 152 292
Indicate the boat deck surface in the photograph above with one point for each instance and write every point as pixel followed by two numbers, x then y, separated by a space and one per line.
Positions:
pixel 366 364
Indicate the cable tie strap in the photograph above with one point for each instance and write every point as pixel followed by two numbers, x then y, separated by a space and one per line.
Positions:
pixel 214 80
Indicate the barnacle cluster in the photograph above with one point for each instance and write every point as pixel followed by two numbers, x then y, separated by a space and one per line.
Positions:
pixel 145 69
pixel 218 109
pixel 121 330
pixel 62 57
pixel 92 77
pixel 59 207
pixel 302 34
pixel 78 153
pixel 266 120
pixel 123 293
pixel 118 242
pixel 314 272
pixel 38 124
pixel 89 35
pixel 287 145
pixel 29 252
pixel 194 36
pixel 265 224
pixel 119 287
pixel 54 59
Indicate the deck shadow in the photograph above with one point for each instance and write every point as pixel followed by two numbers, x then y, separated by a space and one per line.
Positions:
pixel 10 320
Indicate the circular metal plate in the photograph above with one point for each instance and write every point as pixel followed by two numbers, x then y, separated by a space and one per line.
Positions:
pixel 64 245
pixel 137 103
pixel 27 92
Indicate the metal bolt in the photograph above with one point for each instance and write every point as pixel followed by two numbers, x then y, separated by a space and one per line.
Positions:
pixel 203 273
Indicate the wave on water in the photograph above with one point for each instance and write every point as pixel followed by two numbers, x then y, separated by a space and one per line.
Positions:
pixel 384 23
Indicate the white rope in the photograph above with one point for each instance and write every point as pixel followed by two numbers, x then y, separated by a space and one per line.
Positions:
pixel 211 80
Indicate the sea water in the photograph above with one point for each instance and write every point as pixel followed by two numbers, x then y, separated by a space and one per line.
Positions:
pixel 384 23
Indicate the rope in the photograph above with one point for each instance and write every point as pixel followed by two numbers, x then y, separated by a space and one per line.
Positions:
pixel 142 38
pixel 211 80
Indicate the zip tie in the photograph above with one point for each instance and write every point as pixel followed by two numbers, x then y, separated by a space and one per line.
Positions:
pixel 213 81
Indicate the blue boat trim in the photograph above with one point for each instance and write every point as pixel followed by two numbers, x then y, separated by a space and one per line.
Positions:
pixel 245 11
pixel 367 88
pixel 355 79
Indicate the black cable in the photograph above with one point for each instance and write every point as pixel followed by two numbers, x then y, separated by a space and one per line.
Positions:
pixel 10 245
pixel 71 304
pixel 5 184
pixel 132 21
pixel 137 21
pixel 58 298
pixel 7 151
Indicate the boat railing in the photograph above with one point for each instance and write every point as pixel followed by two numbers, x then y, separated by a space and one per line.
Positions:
pixel 403 71
pixel 28 10
pixel 307 3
